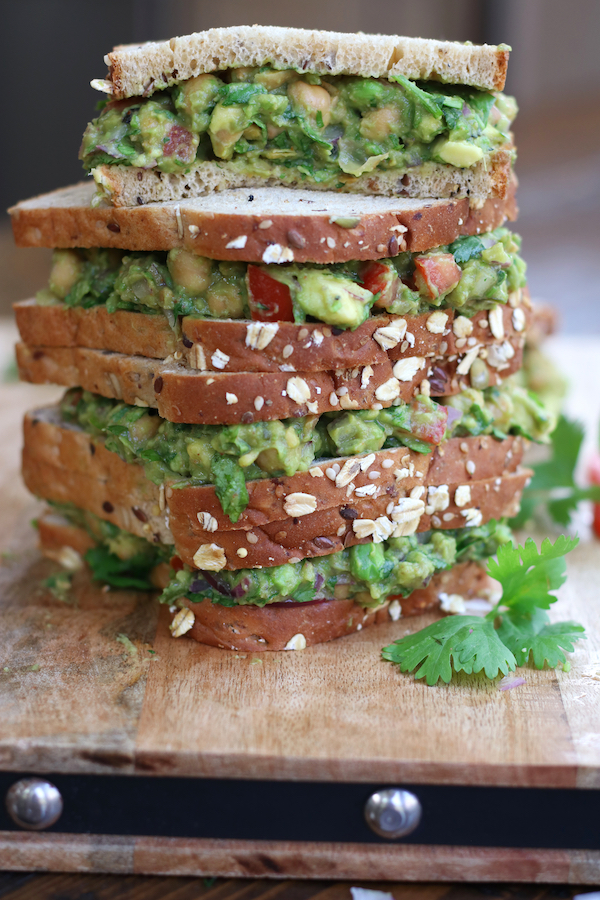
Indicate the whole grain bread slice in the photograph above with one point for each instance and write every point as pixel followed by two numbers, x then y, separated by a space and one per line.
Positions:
pixel 337 503
pixel 130 186
pixel 221 398
pixel 277 627
pixel 314 227
pixel 272 346
pixel 144 68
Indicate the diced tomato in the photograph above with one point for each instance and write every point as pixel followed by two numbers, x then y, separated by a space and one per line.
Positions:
pixel 594 474
pixel 380 278
pixel 176 564
pixel 181 144
pixel 437 274
pixel 270 300
pixel 428 424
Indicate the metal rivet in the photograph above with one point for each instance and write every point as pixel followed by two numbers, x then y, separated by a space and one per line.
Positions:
pixel 34 804
pixel 393 813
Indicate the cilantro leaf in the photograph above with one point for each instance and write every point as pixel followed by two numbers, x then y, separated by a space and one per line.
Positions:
pixel 534 635
pixel 516 629
pixel 527 584
pixel 553 484
pixel 120 573
pixel 463 643
pixel 230 486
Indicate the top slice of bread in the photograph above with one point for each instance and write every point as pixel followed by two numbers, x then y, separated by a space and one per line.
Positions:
pixel 145 68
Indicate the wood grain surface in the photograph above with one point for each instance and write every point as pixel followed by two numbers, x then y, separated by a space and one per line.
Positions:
pixel 73 700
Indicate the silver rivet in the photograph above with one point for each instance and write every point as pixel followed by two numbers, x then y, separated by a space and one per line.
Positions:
pixel 34 803
pixel 393 813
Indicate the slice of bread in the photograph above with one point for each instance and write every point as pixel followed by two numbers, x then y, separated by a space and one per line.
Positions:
pixel 252 628
pixel 315 227
pixel 466 481
pixel 144 68
pixel 222 398
pixel 275 346
pixel 129 186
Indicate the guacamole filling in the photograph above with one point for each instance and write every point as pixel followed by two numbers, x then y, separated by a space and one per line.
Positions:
pixel 365 573
pixel 228 456
pixel 469 275
pixel 325 130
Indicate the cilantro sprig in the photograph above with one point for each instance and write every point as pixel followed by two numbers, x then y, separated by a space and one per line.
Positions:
pixel 516 630
pixel 553 486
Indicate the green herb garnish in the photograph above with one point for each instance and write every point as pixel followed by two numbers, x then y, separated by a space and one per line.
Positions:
pixel 516 629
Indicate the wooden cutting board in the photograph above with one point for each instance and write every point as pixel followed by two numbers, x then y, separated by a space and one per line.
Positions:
pixel 74 700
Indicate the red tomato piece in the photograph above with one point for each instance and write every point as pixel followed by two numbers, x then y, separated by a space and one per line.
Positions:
pixel 595 469
pixel 380 278
pixel 594 474
pixel 176 564
pixel 437 274
pixel 596 524
pixel 269 299
pixel 428 424
pixel 181 144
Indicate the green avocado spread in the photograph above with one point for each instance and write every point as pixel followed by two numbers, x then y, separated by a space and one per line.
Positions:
pixel 325 130
pixel 367 573
pixel 230 455
pixel 484 270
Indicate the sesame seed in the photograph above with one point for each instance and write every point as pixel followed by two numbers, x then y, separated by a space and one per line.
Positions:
pixel 287 351
pixel 470 467
pixel 259 402
pixel 251 538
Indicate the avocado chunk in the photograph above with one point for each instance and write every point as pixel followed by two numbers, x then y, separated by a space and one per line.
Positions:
pixel 333 298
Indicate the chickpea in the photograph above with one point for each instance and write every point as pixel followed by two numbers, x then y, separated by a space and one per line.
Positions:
pixel 380 123
pixel 310 99
pixel 225 301
pixel 273 131
pixel 268 460
pixel 192 273
pixel 242 73
pixel 253 133
pixel 272 80
pixel 227 124
pixel 67 266
pixel 203 84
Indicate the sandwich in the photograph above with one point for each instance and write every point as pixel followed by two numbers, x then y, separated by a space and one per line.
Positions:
pixel 257 106
pixel 296 414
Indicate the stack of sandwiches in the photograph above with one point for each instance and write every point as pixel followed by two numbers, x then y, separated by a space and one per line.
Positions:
pixel 290 317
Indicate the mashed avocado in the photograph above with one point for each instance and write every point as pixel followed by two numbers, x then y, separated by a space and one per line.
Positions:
pixel 367 573
pixel 327 129
pixel 500 411
pixel 230 455
pixel 179 283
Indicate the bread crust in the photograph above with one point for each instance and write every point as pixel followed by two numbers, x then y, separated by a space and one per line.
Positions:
pixel 62 464
pixel 183 395
pixel 252 628
pixel 251 347
pixel 141 69
pixel 129 186
pixel 301 223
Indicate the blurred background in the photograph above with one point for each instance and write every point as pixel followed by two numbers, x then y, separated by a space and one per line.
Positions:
pixel 52 48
